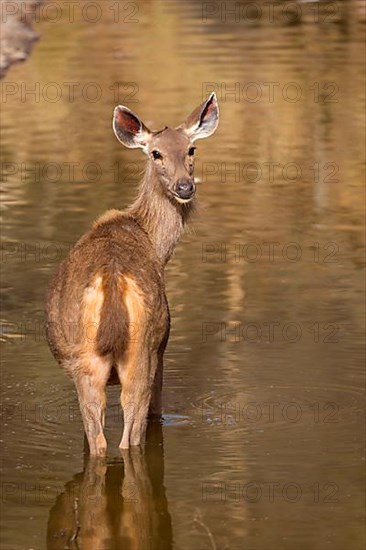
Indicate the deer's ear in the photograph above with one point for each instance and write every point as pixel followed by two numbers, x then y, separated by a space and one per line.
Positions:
pixel 203 121
pixel 129 129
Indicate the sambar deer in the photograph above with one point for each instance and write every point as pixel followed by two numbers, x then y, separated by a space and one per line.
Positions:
pixel 110 289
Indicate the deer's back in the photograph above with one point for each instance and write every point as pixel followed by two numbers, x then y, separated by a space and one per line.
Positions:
pixel 111 281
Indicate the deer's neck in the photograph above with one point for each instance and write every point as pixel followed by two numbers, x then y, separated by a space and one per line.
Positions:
pixel 162 219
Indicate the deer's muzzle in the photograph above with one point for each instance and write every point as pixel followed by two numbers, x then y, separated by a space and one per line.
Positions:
pixel 184 190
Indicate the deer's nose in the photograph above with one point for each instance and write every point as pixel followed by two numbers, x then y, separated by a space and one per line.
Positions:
pixel 185 189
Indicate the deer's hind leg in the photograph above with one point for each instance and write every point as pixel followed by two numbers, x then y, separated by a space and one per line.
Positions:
pixel 138 378
pixel 90 378
pixel 136 369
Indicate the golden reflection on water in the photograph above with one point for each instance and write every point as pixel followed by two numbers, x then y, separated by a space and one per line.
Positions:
pixel 116 505
pixel 277 173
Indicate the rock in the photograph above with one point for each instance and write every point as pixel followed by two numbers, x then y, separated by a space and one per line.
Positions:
pixel 17 35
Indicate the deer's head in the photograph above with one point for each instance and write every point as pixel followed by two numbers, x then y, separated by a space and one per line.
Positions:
pixel 170 151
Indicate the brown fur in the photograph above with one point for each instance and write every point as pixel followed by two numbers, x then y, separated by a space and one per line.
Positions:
pixel 92 313
pixel 106 308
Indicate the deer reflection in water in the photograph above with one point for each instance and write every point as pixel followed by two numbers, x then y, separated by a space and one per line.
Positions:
pixel 119 505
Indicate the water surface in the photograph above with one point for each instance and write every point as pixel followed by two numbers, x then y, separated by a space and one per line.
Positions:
pixel 262 443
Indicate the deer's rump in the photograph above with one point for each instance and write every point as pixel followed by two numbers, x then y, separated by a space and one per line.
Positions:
pixel 95 305
pixel 90 319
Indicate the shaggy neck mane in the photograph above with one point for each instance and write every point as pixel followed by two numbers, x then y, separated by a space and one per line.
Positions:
pixel 162 218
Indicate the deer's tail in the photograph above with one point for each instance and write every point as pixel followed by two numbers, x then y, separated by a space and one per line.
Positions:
pixel 113 330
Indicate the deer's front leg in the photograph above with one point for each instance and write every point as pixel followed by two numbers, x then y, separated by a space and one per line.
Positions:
pixel 155 408
pixel 156 402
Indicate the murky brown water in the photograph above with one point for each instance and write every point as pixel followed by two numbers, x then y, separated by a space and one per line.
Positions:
pixel 262 444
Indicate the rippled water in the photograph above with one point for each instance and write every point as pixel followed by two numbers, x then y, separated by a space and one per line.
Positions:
pixel 262 443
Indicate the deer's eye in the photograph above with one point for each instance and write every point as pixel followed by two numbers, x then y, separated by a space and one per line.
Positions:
pixel 156 155
pixel 191 151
